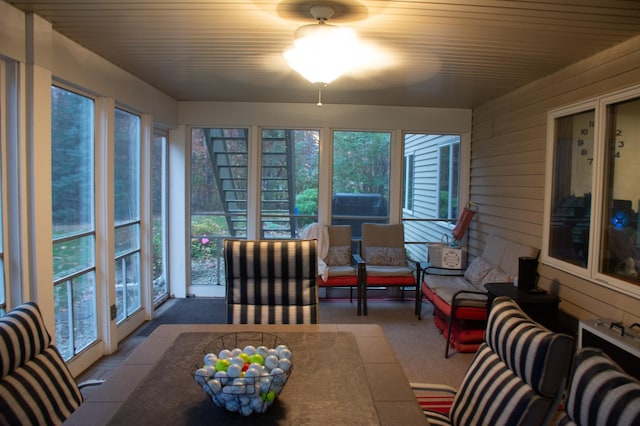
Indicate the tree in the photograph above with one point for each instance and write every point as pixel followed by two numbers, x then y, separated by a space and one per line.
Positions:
pixel 361 162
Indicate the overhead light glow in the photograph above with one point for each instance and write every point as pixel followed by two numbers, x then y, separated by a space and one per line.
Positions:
pixel 323 52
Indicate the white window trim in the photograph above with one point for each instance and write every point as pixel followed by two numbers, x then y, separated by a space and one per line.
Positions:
pixel 590 272
pixel 448 224
pixel 406 178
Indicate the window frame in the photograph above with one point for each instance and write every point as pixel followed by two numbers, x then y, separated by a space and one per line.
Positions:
pixel 160 140
pixel 450 221
pixel 264 217
pixel 591 272
pixel 87 270
pixel 409 173
pixel 135 253
pixel 355 220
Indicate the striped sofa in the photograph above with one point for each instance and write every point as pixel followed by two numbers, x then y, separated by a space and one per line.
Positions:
pixel 600 393
pixel 271 281
pixel 515 378
pixel 36 387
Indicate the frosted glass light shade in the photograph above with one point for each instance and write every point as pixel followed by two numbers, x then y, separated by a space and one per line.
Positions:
pixel 322 52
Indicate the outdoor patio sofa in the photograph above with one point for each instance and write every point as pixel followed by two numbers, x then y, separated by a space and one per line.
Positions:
pixel 459 297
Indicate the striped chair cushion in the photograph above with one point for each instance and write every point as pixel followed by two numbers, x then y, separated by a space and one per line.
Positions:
pixel 600 393
pixel 22 336
pixel 263 314
pixel 37 388
pixel 535 354
pixel 271 281
pixel 490 394
pixel 516 375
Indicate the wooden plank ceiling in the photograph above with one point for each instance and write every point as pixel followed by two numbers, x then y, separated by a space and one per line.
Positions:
pixel 453 53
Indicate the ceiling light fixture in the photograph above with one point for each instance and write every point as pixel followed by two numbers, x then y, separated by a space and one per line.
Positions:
pixel 322 52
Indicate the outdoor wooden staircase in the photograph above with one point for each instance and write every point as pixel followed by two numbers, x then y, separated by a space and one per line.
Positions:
pixel 227 149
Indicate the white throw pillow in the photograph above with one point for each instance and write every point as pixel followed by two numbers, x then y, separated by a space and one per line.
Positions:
pixel 477 270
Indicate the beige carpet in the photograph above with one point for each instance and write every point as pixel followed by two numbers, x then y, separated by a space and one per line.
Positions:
pixel 418 344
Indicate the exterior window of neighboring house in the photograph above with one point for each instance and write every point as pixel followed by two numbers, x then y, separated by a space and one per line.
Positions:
pixel 409 160
pixel 361 162
pixel 591 216
pixel 219 191
pixel 159 210
pixel 448 179
pixel 289 187
pixel 74 234
pixel 127 213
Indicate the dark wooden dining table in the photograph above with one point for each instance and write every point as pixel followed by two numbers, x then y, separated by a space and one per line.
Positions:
pixel 342 374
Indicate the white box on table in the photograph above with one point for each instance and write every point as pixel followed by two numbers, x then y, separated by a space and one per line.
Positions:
pixel 443 255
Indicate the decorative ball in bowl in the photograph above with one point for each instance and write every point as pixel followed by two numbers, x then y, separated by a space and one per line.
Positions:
pixel 245 372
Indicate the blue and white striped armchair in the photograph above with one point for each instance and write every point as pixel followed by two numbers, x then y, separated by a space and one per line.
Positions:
pixel 516 377
pixel 36 387
pixel 600 393
pixel 271 281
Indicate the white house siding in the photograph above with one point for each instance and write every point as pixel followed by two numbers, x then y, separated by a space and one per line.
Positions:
pixel 425 149
pixel 508 170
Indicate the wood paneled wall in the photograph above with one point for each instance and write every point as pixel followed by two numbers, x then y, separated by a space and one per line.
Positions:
pixel 508 170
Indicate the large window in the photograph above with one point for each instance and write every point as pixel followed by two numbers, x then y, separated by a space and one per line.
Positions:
pixel 360 178
pixel 572 187
pixel 72 196
pixel 289 190
pixel 158 205
pixel 620 248
pixel 219 191
pixel 592 223
pixel 127 213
